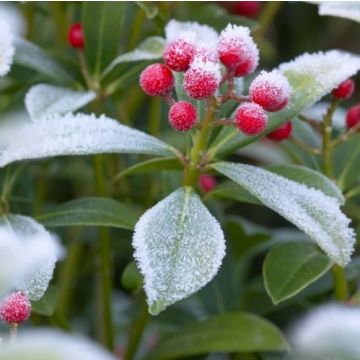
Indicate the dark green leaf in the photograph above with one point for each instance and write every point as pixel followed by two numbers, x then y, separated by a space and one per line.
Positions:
pixel 91 211
pixel 47 304
pixel 231 332
pixel 131 278
pixel 290 268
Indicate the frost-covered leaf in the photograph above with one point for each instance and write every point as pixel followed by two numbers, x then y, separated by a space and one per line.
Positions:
pixel 51 345
pixel 13 17
pixel 6 49
pixel 329 332
pixel 231 332
pixel 317 214
pixel 29 55
pixel 291 267
pixel 78 134
pixel 39 250
pixel 150 49
pixel 344 9
pixel 42 100
pixel 179 247
pixel 311 76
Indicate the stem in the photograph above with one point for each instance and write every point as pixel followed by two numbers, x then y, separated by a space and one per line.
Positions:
pixel 305 147
pixel 341 286
pixel 105 295
pixel 136 331
pixel 192 171
pixel 345 136
pixel 13 331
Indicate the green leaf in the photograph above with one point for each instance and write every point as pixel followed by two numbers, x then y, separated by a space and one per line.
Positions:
pixel 311 76
pixel 131 278
pixel 150 166
pixel 150 49
pixel 91 211
pixel 231 332
pixel 47 304
pixel 103 24
pixel 317 214
pixel 179 247
pixel 289 268
pixel 29 55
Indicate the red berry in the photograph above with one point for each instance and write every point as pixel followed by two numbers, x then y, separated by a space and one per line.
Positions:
pixel 15 308
pixel 157 80
pixel 344 90
pixel 207 182
pixel 178 54
pixel 202 79
pixel 182 116
pixel 270 90
pixel 353 116
pixel 235 45
pixel 250 118
pixel 281 133
pixel 250 64
pixel 76 36
pixel 246 8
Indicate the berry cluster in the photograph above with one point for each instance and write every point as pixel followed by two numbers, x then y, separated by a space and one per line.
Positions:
pixel 206 69
pixel 15 308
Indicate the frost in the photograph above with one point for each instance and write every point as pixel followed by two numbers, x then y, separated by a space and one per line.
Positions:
pixel 315 75
pixel 179 247
pixel 203 36
pixel 344 9
pixel 329 332
pixel 78 134
pixel 317 214
pixel 7 49
pixel 28 256
pixel 50 345
pixel 42 100
pixel 10 15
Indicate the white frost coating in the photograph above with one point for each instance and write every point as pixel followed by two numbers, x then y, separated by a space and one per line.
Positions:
pixel 329 332
pixel 50 345
pixel 320 73
pixel 203 67
pixel 78 134
pixel 317 214
pixel 7 49
pixel 344 9
pixel 179 247
pixel 30 254
pixel 42 100
pixel 11 15
pixel 202 36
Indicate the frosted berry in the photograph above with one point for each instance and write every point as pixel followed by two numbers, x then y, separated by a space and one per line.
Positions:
pixel 250 65
pixel 250 118
pixel 202 79
pixel 271 90
pixel 246 8
pixel 76 36
pixel 15 308
pixel 179 54
pixel 281 133
pixel 353 116
pixel 157 80
pixel 235 45
pixel 182 115
pixel 207 182
pixel 344 90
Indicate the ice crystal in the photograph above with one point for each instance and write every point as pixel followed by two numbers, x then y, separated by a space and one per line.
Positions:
pixel 329 332
pixel 317 214
pixel 344 9
pixel 314 75
pixel 42 100
pixel 179 247
pixel 50 345
pixel 201 35
pixel 78 134
pixel 30 253
pixel 7 49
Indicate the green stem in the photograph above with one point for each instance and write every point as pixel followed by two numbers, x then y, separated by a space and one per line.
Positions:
pixel 137 330
pixel 192 171
pixel 338 273
pixel 341 286
pixel 105 295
